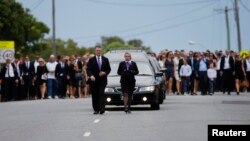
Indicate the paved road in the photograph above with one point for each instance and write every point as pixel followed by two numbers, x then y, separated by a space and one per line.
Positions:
pixel 180 118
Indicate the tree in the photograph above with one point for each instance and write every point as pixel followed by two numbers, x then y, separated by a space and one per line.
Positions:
pixel 63 48
pixel 135 43
pixel 108 40
pixel 17 24
pixel 114 45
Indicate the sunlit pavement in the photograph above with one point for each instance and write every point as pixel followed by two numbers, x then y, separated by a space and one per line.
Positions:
pixel 180 118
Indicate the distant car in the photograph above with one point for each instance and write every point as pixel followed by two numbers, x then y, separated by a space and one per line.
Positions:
pixel 148 87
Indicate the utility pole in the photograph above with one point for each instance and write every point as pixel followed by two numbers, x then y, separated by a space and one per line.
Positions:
pixel 237 19
pixel 53 28
pixel 226 10
pixel 228 29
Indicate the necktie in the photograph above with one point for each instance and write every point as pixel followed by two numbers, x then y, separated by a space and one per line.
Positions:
pixel 8 70
pixel 127 65
pixel 27 65
pixel 99 63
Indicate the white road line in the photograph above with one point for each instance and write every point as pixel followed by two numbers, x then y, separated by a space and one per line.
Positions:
pixel 97 120
pixel 87 134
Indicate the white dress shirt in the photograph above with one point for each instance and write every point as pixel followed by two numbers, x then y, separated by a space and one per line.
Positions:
pixel 211 73
pixel 51 67
pixel 100 57
pixel 185 70
pixel 36 64
pixel 226 64
pixel 9 71
pixel 248 65
pixel 218 64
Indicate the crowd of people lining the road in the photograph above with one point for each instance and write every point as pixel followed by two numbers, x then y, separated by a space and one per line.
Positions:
pixel 207 72
pixel 66 76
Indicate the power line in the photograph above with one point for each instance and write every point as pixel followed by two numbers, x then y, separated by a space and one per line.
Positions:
pixel 245 7
pixel 151 24
pixel 37 5
pixel 172 26
pixel 169 27
pixel 148 5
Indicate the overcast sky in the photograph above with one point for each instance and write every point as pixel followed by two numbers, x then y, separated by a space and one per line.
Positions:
pixel 160 24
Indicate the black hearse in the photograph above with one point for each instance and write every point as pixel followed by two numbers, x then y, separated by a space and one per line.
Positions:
pixel 148 87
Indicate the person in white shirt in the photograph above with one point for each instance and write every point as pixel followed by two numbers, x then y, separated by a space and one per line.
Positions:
pixel 176 72
pixel 185 73
pixel 162 59
pixel 212 74
pixel 52 83
pixel 226 70
pixel 247 69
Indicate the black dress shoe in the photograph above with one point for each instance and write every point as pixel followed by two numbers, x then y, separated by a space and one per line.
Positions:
pixel 96 112
pixel 129 111
pixel 102 112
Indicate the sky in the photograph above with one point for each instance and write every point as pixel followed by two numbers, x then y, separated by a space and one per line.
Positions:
pixel 160 24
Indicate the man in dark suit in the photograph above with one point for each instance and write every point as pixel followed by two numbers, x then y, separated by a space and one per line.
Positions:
pixel 9 80
pixel 201 68
pixel 61 76
pixel 28 73
pixel 191 62
pixel 226 69
pixel 98 69
pixel 18 66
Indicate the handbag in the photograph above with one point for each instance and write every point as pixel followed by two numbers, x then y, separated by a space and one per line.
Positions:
pixel 245 83
pixel 44 77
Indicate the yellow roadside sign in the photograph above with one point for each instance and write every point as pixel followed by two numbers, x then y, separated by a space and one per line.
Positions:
pixel 7 44
pixel 7 50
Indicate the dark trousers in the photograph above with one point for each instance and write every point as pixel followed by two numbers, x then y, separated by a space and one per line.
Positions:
pixel 28 92
pixel 248 79
pixel 228 83
pixel 185 84
pixel 219 86
pixel 203 82
pixel 212 86
pixel 98 98
pixel 9 89
pixel 62 87
pixel 18 90
pixel 191 83
pixel 52 87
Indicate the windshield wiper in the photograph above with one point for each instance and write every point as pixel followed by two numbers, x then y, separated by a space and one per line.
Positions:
pixel 144 75
pixel 113 75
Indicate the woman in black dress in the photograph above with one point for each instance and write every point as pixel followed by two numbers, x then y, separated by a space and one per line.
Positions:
pixel 169 65
pixel 239 73
pixel 127 69
pixel 71 76
pixel 41 76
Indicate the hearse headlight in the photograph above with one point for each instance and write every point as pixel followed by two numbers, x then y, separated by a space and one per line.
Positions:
pixel 109 90
pixel 147 89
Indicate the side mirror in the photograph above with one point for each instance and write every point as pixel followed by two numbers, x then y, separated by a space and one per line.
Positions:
pixel 163 70
pixel 158 74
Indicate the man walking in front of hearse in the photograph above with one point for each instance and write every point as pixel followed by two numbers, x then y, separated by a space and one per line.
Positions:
pixel 98 70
